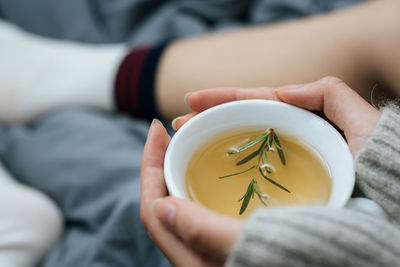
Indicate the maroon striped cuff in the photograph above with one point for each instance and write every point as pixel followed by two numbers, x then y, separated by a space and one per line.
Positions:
pixel 134 85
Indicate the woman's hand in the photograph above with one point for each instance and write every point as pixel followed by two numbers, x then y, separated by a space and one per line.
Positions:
pixel 191 235
pixel 340 104
pixel 187 233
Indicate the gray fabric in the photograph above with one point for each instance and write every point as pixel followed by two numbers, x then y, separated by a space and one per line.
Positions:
pixel 314 237
pixel 378 165
pixel 301 236
pixel 141 21
pixel 89 161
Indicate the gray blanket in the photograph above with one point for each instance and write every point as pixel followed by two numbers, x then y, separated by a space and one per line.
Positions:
pixel 88 161
pixel 141 21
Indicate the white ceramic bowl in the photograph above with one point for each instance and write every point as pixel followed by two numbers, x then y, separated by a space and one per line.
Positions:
pixel 280 116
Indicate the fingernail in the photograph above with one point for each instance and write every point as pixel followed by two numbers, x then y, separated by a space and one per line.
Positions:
pixel 156 121
pixel 165 211
pixel 173 123
pixel 185 98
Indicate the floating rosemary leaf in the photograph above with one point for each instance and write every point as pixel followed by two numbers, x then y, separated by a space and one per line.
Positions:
pixel 248 145
pixel 271 138
pixel 248 158
pixel 279 148
pixel 233 174
pixel 273 182
pixel 255 153
pixel 265 164
pixel 267 141
pixel 246 197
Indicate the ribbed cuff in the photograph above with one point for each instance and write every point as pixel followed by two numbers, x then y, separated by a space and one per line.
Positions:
pixel 315 236
pixel 378 163
pixel 135 82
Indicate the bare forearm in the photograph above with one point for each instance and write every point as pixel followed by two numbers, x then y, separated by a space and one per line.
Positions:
pixel 340 44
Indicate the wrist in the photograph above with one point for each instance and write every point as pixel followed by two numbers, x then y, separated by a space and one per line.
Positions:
pixel 135 81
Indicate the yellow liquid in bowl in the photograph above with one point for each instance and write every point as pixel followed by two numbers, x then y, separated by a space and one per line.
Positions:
pixel 305 174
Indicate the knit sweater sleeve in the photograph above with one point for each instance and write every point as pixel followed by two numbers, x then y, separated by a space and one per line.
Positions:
pixel 378 164
pixel 317 236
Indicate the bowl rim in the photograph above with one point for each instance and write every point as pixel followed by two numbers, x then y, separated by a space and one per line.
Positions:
pixel 170 181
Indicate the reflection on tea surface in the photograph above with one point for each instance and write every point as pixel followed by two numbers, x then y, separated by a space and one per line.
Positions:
pixel 305 174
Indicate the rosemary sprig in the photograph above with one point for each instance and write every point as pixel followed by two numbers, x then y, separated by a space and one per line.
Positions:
pixel 269 142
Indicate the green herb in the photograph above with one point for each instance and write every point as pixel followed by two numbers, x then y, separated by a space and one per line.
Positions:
pixel 273 182
pixel 269 143
pixel 229 175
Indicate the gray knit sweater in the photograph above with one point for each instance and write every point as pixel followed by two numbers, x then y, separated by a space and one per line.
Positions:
pixel 310 236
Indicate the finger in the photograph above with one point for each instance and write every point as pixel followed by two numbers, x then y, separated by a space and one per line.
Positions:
pixel 204 99
pixel 201 100
pixel 152 174
pixel 342 105
pixel 153 187
pixel 180 121
pixel 204 230
pixel 177 252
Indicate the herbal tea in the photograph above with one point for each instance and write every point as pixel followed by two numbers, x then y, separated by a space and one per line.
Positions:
pixel 240 170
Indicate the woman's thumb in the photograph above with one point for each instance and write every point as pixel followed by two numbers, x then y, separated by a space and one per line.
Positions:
pixel 199 228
